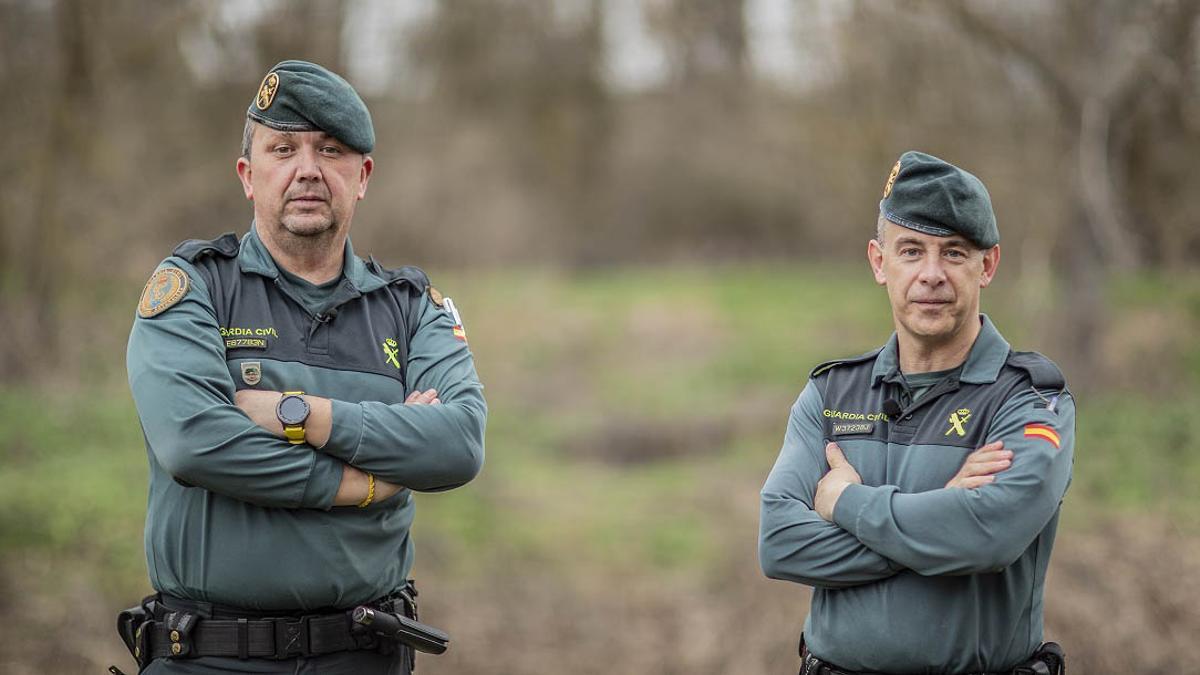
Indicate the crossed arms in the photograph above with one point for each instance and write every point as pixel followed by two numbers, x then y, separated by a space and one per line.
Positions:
pixel 821 526
pixel 197 432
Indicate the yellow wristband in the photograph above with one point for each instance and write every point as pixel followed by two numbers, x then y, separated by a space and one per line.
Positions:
pixel 370 492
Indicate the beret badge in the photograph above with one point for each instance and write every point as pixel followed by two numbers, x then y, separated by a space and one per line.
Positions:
pixel 887 188
pixel 266 91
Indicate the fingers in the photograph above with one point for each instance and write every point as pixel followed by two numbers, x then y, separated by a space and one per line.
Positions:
pixel 419 397
pixel 833 454
pixel 975 481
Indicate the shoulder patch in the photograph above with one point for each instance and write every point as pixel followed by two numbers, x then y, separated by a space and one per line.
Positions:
pixel 436 297
pixel 869 356
pixel 166 287
pixel 226 245
pixel 1043 373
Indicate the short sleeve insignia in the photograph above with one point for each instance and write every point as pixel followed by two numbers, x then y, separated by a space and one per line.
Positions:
pixel 436 296
pixel 266 91
pixel 887 188
pixel 166 288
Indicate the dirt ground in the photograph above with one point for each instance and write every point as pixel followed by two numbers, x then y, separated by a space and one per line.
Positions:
pixel 1122 597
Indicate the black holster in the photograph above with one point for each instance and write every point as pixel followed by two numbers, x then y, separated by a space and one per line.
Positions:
pixel 130 624
pixel 1049 659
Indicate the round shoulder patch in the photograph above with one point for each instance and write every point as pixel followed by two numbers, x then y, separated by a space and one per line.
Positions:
pixel 436 296
pixel 166 287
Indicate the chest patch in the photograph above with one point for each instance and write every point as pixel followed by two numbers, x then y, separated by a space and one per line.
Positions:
pixel 164 289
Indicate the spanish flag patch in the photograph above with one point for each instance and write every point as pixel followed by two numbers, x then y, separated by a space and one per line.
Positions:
pixel 1043 432
pixel 460 333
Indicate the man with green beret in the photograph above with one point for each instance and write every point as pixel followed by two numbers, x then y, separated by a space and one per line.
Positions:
pixel 293 396
pixel 919 485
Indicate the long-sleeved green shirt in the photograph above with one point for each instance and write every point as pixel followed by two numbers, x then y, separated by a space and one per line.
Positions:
pixel 241 517
pixel 912 577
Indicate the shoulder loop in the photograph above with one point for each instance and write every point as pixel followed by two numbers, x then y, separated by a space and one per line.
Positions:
pixel 226 245
pixel 1043 373
pixel 414 276
pixel 869 356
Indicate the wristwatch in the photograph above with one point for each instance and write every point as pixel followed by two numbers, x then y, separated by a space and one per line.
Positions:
pixel 292 412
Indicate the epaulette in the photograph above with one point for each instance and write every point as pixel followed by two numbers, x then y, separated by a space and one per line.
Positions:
pixel 1043 373
pixel 226 245
pixel 841 362
pixel 414 276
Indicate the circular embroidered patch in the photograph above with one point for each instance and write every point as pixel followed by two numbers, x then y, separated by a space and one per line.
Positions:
pixel 266 91
pixel 166 287
pixel 436 296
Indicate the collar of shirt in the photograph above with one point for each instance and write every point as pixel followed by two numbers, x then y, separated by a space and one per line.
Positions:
pixel 982 366
pixel 254 258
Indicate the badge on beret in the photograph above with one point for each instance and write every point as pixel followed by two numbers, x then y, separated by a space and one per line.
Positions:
pixel 266 91
pixel 887 188
pixel 166 287
pixel 436 296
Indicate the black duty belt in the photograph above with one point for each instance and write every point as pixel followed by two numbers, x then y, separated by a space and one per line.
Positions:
pixel 167 627
pixel 1047 660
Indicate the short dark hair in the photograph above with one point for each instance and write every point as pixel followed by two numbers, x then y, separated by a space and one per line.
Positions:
pixel 248 137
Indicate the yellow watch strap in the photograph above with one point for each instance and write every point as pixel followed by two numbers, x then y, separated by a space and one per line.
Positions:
pixel 294 432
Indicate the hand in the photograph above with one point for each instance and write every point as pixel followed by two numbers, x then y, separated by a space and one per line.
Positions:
pixel 423 398
pixel 832 484
pixel 981 466
pixel 260 406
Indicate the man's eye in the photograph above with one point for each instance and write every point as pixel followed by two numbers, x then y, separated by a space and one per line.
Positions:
pixel 910 252
pixel 954 253
pixel 281 149
pixel 331 150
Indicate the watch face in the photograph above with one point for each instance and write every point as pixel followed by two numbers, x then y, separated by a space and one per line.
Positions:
pixel 292 410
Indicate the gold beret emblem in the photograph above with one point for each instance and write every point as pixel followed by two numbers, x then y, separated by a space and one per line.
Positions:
pixel 266 91
pixel 887 188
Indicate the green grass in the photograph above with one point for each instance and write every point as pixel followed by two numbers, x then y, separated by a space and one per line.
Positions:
pixel 587 376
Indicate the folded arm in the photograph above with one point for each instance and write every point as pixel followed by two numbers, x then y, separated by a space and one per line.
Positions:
pixel 957 531
pixel 795 543
pixel 423 447
pixel 185 399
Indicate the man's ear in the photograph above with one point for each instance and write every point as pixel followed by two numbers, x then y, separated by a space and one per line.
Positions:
pixel 364 175
pixel 991 260
pixel 243 172
pixel 875 257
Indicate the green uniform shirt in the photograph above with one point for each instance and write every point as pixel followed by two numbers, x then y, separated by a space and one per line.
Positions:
pixel 912 577
pixel 241 517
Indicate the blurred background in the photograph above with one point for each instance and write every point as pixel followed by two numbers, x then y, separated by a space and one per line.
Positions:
pixel 653 216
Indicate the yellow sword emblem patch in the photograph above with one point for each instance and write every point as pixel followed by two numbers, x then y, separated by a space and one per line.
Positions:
pixel 391 351
pixel 958 422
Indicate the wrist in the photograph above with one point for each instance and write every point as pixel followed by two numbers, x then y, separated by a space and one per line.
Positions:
pixel 320 421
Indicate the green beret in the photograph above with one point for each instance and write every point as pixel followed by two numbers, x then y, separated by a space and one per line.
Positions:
pixel 932 196
pixel 302 96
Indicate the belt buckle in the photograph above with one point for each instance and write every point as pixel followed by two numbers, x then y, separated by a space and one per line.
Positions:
pixel 291 638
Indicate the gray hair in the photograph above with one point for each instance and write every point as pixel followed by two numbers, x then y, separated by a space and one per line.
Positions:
pixel 880 224
pixel 248 137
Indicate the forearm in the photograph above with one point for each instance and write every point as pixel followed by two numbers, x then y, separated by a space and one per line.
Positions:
pixel 795 544
pixel 427 447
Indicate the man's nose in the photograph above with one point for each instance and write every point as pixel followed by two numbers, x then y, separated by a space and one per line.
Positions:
pixel 308 168
pixel 932 273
